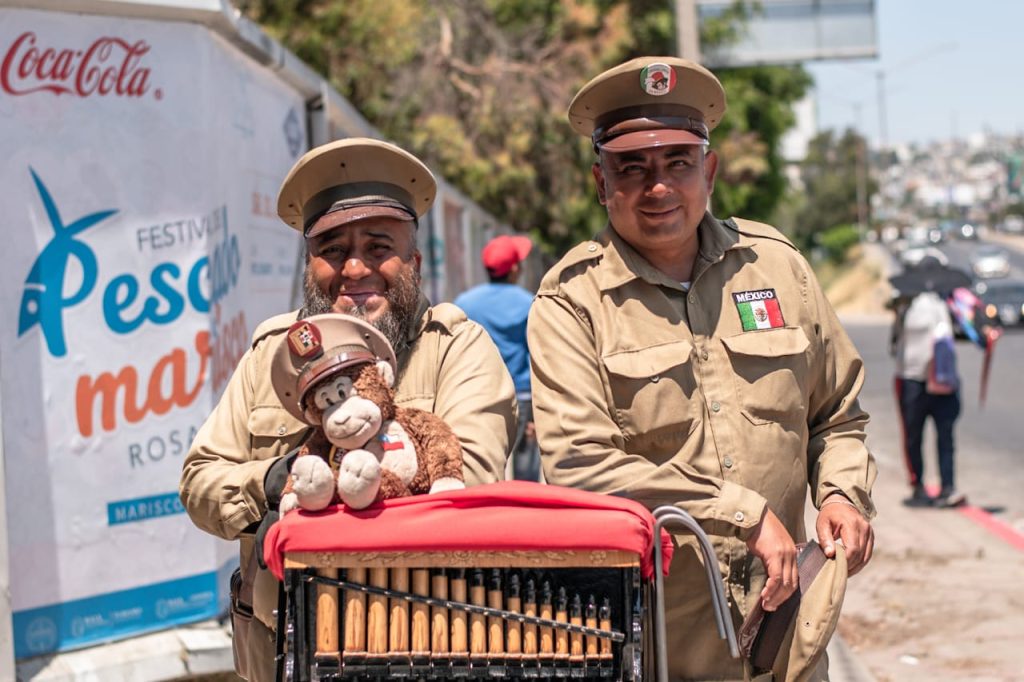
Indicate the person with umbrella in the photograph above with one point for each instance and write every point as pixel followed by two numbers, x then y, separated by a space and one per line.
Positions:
pixel 927 383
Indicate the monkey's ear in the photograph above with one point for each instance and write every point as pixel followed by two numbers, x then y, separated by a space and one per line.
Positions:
pixel 386 373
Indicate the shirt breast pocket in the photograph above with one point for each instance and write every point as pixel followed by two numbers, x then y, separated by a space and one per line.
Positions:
pixel 770 372
pixel 274 431
pixel 653 389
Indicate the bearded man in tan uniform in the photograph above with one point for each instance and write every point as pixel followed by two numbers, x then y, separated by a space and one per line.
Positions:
pixel 357 203
pixel 705 367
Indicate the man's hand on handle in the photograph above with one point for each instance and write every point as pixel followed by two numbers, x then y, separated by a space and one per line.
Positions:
pixel 839 520
pixel 773 545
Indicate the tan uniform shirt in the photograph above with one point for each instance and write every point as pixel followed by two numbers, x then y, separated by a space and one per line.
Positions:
pixel 452 368
pixel 644 389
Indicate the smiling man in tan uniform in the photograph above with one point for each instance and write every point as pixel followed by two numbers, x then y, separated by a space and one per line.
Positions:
pixel 682 359
pixel 357 203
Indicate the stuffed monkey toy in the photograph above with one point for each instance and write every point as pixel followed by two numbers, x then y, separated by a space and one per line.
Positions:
pixel 336 373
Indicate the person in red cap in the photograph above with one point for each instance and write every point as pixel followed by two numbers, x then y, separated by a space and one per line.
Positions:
pixel 501 307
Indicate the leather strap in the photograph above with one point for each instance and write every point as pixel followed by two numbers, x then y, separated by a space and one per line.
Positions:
pixel 245 592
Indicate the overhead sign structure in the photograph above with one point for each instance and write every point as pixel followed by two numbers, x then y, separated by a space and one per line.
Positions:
pixel 790 31
pixel 140 172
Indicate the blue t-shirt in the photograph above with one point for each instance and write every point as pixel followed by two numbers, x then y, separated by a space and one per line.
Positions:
pixel 502 309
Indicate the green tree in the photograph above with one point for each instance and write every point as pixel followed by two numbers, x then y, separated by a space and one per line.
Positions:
pixel 751 182
pixel 479 90
pixel 829 176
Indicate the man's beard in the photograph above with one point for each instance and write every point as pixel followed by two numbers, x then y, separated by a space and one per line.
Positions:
pixel 394 323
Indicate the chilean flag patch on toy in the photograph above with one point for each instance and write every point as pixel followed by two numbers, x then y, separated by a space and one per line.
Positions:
pixel 759 309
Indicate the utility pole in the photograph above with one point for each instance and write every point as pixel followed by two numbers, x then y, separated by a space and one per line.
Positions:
pixel 883 121
pixel 861 177
pixel 687 30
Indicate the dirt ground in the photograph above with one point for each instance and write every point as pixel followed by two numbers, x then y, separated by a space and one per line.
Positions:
pixel 861 289
pixel 942 598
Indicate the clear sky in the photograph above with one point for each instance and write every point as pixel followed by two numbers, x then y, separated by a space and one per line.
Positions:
pixel 951 67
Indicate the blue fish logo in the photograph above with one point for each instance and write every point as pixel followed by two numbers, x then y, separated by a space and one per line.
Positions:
pixel 42 301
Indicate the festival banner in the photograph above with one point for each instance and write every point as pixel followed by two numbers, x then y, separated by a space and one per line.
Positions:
pixel 141 248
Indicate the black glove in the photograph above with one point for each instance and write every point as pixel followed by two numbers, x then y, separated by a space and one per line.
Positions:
pixel 273 486
pixel 269 519
pixel 276 478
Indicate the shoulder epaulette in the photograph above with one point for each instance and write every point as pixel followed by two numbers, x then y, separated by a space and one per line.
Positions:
pixel 584 251
pixel 756 230
pixel 448 315
pixel 581 253
pixel 273 325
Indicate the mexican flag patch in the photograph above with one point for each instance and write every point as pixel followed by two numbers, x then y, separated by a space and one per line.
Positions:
pixel 759 309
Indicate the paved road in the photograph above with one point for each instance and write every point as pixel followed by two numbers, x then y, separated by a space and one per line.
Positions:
pixel 960 252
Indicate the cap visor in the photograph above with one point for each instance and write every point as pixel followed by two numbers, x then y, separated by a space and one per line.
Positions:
pixel 347 216
pixel 643 139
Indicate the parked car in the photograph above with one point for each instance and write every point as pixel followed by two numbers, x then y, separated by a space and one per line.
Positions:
pixel 967 231
pixel 990 261
pixel 912 255
pixel 1002 303
pixel 917 234
pixel 1012 224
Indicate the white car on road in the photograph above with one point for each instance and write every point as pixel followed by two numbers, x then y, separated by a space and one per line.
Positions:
pixel 990 261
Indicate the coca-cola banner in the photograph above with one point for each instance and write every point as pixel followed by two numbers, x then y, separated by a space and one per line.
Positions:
pixel 141 165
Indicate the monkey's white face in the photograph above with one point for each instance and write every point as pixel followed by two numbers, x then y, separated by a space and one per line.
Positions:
pixel 349 420
pixel 333 391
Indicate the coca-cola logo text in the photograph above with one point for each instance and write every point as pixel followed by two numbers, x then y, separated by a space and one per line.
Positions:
pixel 110 66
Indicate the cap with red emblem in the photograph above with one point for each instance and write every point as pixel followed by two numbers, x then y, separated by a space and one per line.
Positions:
pixel 351 180
pixel 649 102
pixel 318 347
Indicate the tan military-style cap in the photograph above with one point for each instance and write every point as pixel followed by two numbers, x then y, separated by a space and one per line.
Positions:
pixel 365 178
pixel 794 644
pixel 649 102
pixel 319 346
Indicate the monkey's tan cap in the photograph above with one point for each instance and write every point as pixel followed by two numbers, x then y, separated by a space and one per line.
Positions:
pixel 649 102
pixel 318 347
pixel 360 177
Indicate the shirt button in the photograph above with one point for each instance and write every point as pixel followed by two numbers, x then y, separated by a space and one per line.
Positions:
pixel 592 248
pixel 281 430
pixel 691 298
pixel 715 407
pixel 656 378
pixel 739 516
pixel 704 355
pixel 727 462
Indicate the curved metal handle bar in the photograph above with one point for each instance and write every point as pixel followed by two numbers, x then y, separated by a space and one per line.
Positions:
pixel 665 516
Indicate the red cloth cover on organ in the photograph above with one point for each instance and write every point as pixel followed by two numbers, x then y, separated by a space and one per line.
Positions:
pixel 511 515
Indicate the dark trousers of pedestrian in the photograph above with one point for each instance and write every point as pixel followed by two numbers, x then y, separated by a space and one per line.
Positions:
pixel 525 453
pixel 916 405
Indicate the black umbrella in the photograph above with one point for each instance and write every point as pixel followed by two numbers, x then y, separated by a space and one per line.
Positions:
pixel 929 275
